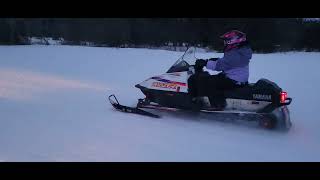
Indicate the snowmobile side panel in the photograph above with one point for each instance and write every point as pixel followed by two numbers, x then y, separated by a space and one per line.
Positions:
pixel 173 82
pixel 167 98
pixel 245 105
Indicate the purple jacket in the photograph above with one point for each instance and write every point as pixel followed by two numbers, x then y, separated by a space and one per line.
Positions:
pixel 234 63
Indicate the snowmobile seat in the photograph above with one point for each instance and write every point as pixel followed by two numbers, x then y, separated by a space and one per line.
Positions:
pixel 240 92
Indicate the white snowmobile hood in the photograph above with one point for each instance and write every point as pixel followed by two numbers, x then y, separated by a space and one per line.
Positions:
pixel 176 82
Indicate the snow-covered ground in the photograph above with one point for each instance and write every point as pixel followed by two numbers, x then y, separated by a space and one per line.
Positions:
pixel 53 108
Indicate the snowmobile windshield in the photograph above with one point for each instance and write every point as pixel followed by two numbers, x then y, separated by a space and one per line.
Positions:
pixel 184 62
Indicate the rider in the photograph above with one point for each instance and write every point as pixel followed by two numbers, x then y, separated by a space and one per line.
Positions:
pixel 234 66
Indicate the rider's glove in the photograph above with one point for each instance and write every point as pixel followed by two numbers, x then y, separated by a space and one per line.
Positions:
pixel 200 63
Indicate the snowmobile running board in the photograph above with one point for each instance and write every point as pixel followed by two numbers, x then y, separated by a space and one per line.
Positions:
pixel 137 110
pixel 115 103
pixel 201 110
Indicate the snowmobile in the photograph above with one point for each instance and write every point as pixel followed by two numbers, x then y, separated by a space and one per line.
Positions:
pixel 264 99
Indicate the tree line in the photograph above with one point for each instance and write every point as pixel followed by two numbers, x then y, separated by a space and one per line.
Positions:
pixel 264 34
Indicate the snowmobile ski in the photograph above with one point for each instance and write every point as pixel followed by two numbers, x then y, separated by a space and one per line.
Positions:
pixel 115 103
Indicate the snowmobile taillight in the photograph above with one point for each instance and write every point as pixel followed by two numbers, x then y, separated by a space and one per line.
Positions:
pixel 283 97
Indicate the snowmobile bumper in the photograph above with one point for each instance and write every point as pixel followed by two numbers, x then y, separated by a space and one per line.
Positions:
pixel 282 117
pixel 287 102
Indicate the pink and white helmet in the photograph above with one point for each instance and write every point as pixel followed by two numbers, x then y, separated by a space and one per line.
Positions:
pixel 233 37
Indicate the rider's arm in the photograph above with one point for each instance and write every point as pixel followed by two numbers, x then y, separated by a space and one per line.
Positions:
pixel 227 61
pixel 211 65
pixel 234 59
